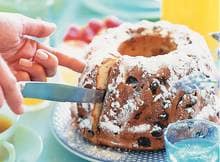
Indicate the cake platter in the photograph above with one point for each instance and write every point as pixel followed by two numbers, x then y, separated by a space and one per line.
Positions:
pixel 71 140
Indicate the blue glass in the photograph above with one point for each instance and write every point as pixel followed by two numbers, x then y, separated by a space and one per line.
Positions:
pixel 192 141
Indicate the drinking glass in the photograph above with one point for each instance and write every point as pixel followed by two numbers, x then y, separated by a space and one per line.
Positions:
pixel 192 141
pixel 202 16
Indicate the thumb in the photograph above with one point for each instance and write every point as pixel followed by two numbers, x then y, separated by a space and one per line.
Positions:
pixel 37 28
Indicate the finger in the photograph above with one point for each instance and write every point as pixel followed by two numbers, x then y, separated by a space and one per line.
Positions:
pixel 27 50
pixel 22 76
pixel 1 97
pixel 65 60
pixel 70 62
pixel 37 28
pixel 11 92
pixel 30 47
pixel 35 71
pixel 47 60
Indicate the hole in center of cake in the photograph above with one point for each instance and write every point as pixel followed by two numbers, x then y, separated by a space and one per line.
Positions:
pixel 148 45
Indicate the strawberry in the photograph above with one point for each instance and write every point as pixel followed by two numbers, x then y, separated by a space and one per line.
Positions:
pixel 87 34
pixel 73 33
pixel 112 22
pixel 96 25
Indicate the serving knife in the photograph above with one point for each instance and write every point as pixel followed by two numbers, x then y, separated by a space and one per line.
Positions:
pixel 60 92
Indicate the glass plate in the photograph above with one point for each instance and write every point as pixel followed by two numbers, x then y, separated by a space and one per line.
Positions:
pixel 71 139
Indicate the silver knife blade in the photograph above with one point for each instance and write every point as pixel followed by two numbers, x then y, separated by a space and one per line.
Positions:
pixel 60 92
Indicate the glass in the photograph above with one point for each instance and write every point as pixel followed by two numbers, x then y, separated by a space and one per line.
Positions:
pixel 202 16
pixel 192 140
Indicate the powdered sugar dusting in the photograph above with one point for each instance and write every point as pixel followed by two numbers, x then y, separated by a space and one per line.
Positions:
pixel 127 109
pixel 155 128
pixel 140 128
pixel 156 98
pixel 209 110
pixel 85 123
pixel 108 125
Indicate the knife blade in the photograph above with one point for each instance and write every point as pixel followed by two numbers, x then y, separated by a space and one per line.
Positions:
pixel 60 92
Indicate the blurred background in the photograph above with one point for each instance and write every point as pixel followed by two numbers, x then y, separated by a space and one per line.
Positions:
pixel 65 12
pixel 201 15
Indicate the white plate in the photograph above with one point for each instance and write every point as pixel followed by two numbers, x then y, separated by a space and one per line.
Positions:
pixel 71 139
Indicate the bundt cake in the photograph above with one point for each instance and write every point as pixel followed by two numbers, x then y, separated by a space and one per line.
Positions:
pixel 137 64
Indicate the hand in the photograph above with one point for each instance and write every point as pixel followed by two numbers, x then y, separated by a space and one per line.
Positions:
pixel 25 59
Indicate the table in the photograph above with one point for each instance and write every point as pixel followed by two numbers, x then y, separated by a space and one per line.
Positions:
pixel 52 150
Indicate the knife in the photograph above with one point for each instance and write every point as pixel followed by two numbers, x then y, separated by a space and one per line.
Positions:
pixel 60 92
pixel 67 93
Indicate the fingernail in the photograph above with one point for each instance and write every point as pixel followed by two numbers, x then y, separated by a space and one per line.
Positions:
pixel 15 72
pixel 41 55
pixel 25 62
pixel 20 111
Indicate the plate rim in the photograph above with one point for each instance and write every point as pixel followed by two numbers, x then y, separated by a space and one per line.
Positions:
pixel 66 146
